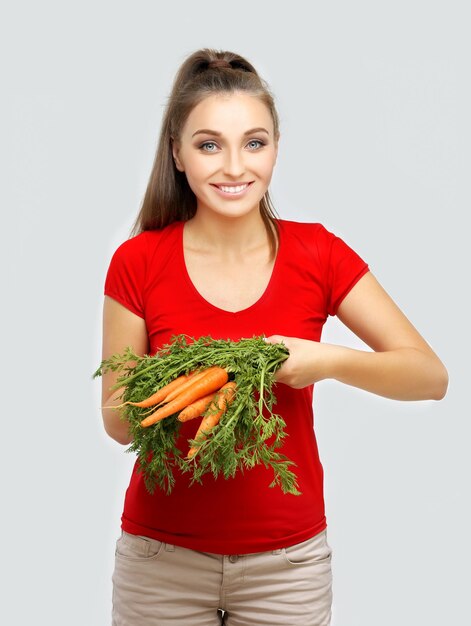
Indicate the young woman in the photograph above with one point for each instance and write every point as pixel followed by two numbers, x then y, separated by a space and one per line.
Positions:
pixel 207 256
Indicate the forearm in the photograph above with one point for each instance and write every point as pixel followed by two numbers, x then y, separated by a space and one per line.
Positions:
pixel 400 374
pixel 121 328
pixel 115 426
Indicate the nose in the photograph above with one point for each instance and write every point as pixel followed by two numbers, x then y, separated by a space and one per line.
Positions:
pixel 234 163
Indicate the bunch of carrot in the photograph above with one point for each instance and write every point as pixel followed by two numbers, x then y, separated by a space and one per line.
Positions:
pixel 229 384
pixel 206 393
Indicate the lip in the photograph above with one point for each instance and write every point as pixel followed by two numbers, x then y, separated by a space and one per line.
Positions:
pixel 234 184
pixel 226 194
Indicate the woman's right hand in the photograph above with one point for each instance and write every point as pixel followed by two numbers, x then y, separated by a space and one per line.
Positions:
pixel 308 361
pixel 121 328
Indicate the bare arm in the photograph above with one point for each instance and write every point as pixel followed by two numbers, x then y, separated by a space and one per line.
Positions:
pixel 402 365
pixel 121 328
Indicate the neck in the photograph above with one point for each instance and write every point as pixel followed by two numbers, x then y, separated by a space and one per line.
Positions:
pixel 224 234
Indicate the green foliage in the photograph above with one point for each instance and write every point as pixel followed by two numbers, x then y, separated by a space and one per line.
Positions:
pixel 244 437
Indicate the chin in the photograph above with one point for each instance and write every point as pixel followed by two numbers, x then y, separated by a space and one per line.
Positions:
pixel 229 212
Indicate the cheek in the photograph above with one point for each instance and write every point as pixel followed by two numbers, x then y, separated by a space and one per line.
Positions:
pixel 197 171
pixel 267 165
pixel 267 172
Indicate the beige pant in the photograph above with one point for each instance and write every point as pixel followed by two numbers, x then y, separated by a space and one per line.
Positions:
pixel 158 584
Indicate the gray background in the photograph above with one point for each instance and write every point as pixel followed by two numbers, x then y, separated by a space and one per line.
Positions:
pixel 374 102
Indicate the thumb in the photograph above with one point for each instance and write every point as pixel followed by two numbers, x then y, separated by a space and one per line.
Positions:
pixel 274 339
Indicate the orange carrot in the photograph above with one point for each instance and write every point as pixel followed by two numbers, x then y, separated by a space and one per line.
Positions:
pixel 192 378
pixel 214 378
pixel 223 399
pixel 159 396
pixel 195 409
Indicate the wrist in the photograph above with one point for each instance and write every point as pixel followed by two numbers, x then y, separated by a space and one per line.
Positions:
pixel 335 361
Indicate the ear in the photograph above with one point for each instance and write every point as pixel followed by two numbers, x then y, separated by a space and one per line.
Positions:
pixel 175 151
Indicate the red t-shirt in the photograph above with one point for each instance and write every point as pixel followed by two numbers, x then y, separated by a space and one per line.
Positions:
pixel 313 272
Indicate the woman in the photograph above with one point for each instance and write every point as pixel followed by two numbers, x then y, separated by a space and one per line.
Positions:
pixel 208 256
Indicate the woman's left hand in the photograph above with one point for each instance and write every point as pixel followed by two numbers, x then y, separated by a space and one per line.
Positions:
pixel 308 361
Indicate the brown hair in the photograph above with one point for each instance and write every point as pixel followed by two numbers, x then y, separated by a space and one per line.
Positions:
pixel 168 197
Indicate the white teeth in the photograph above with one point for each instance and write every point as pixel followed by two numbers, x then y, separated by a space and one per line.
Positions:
pixel 233 189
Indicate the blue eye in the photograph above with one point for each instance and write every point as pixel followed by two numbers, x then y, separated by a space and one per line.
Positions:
pixel 212 143
pixel 207 143
pixel 257 141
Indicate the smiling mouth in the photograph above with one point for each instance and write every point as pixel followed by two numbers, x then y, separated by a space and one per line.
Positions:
pixel 233 188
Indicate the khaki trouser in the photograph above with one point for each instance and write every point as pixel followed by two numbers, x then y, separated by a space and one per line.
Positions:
pixel 159 584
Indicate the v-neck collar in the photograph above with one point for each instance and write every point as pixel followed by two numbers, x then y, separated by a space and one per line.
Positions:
pixel 250 308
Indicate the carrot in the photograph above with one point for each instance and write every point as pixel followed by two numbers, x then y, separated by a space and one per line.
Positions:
pixel 192 378
pixel 223 399
pixel 195 409
pixel 213 379
pixel 159 396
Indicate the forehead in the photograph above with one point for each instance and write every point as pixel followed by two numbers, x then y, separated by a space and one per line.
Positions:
pixel 229 114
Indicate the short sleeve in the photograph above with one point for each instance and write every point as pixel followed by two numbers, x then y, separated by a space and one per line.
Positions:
pixel 345 267
pixel 125 278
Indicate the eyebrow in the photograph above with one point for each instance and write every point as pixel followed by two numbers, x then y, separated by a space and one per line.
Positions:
pixel 207 131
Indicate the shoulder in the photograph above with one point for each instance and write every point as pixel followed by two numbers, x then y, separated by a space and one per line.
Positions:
pixel 314 232
pixel 312 236
pixel 314 242
pixel 303 229
pixel 134 245
pixel 140 247
pixel 128 270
